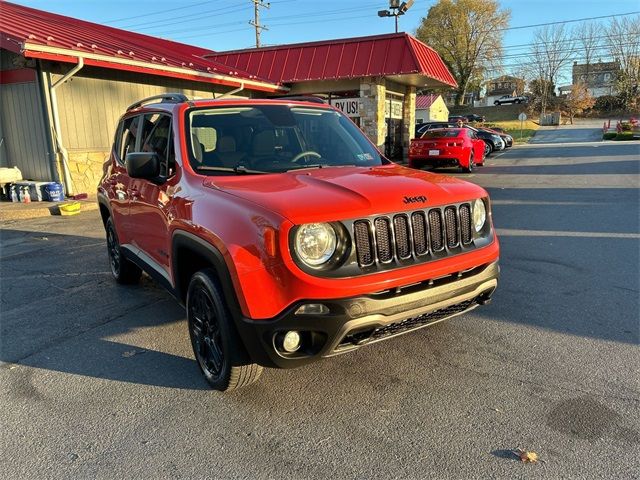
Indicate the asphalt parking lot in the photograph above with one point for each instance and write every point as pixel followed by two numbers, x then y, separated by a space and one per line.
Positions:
pixel 98 380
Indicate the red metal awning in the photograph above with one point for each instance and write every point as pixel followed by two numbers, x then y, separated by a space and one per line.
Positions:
pixel 392 55
pixel 38 34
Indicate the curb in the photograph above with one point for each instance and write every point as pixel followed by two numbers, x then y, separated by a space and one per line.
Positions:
pixel 47 210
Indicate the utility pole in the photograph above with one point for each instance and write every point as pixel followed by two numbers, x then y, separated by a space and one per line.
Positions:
pixel 257 5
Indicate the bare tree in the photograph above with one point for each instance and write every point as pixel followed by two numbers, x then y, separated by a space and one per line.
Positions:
pixel 588 38
pixel 552 49
pixel 623 40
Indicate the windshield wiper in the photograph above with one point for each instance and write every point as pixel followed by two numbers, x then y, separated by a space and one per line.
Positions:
pixel 238 169
pixel 317 165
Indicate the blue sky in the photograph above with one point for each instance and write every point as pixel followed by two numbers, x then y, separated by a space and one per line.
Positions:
pixel 223 25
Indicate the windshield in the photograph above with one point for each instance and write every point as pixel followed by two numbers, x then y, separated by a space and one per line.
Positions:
pixel 448 133
pixel 274 138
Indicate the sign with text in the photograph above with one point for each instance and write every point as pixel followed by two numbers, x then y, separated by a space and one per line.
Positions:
pixel 393 109
pixel 349 106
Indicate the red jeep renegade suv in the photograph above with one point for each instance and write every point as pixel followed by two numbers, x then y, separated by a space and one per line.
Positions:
pixel 285 233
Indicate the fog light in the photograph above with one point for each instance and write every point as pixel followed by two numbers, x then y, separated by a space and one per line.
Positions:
pixel 312 309
pixel 291 341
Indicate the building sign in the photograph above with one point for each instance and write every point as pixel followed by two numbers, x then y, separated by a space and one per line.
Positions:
pixel 349 106
pixel 393 109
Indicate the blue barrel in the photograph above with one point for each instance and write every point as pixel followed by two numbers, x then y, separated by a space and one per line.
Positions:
pixel 54 192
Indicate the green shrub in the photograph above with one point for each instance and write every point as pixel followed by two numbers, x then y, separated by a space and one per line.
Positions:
pixel 624 136
pixel 609 136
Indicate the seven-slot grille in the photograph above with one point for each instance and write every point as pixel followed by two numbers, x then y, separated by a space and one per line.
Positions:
pixel 402 236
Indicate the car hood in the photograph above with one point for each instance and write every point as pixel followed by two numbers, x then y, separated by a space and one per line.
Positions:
pixel 335 193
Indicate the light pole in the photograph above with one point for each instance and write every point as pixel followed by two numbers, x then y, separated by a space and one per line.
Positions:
pixel 396 9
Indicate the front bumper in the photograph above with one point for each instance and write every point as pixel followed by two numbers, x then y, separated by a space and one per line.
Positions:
pixel 357 321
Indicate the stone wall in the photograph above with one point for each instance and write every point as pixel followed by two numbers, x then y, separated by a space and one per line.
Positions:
pixel 372 98
pixel 408 119
pixel 86 170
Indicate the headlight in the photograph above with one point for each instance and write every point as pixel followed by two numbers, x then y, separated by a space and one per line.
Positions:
pixel 496 137
pixel 315 243
pixel 479 214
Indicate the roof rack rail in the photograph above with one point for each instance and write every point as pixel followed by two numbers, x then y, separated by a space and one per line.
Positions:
pixel 301 98
pixel 165 97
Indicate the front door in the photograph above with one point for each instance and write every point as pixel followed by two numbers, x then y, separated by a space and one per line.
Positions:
pixel 117 182
pixel 151 202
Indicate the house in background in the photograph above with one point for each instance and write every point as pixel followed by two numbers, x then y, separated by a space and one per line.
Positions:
pixel 469 98
pixel 431 108
pixel 600 77
pixel 504 85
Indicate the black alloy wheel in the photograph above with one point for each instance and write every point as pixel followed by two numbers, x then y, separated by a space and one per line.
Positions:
pixel 213 336
pixel 204 329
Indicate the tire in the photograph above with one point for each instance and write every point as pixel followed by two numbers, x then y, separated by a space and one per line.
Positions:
pixel 471 166
pixel 496 102
pixel 487 149
pixel 517 101
pixel 213 335
pixel 123 270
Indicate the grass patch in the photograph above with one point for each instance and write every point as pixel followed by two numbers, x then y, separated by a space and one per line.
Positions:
pixel 529 129
pixel 625 136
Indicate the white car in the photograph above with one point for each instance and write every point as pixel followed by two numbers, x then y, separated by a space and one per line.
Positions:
pixel 505 99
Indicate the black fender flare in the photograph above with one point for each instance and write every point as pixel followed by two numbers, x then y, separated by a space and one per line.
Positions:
pixel 182 239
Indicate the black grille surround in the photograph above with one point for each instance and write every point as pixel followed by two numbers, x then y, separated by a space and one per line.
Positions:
pixel 396 240
pixel 415 237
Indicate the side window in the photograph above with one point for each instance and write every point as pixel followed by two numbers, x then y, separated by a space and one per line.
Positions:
pixel 157 137
pixel 128 137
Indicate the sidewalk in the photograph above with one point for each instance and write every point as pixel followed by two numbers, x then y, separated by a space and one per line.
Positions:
pixel 22 211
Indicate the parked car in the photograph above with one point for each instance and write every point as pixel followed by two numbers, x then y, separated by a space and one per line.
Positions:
pixel 456 118
pixel 423 127
pixel 506 138
pixel 459 147
pixel 285 233
pixel 493 141
pixel 472 117
pixel 506 99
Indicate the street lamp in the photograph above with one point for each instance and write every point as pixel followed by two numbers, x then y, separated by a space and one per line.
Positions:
pixel 396 9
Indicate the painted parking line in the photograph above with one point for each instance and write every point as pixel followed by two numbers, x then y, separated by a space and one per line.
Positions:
pixel 512 232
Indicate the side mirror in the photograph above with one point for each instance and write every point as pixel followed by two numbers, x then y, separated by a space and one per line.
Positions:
pixel 144 165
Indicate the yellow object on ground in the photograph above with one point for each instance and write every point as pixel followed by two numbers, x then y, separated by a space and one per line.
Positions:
pixel 70 208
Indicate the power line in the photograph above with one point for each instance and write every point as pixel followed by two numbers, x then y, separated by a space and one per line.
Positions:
pixel 148 14
pixel 184 18
pixel 566 21
pixel 309 14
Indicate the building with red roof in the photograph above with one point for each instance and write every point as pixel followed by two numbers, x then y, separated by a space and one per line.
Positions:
pixel 64 82
pixel 431 108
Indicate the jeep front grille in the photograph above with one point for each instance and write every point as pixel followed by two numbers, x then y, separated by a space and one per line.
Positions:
pixel 403 236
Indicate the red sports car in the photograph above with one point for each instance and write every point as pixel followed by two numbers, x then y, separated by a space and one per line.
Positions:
pixel 447 147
